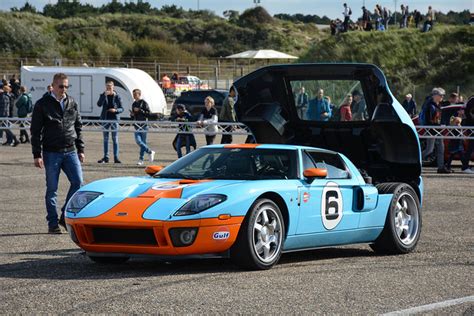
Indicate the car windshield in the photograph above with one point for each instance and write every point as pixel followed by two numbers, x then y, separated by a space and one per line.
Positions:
pixel 234 164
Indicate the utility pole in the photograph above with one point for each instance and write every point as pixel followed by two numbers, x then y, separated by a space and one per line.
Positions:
pixel 198 4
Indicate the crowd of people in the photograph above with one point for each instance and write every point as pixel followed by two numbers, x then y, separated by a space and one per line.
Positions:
pixel 431 114
pixel 15 101
pixel 353 107
pixel 380 19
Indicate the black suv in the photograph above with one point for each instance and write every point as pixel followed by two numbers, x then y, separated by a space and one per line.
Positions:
pixel 194 100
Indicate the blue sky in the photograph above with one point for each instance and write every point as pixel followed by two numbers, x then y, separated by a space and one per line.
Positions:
pixel 330 8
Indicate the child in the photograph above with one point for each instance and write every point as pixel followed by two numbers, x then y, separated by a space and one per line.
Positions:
pixel 455 146
pixel 207 118
pixel 184 134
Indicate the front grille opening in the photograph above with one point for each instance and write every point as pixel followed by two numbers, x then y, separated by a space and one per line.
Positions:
pixel 124 236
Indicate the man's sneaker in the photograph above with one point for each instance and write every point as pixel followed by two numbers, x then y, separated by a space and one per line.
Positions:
pixel 54 230
pixel 15 143
pixel 116 160
pixel 468 171
pixel 152 156
pixel 140 163
pixel 443 170
pixel 104 160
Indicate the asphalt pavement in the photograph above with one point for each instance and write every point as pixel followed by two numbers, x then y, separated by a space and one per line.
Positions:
pixel 42 273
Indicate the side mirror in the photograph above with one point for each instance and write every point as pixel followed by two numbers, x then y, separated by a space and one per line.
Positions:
pixel 152 170
pixel 312 173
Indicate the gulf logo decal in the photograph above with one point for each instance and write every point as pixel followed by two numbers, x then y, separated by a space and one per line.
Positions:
pixel 331 205
pixel 222 234
pixel 306 197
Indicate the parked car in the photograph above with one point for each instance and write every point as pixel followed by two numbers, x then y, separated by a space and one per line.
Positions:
pixel 194 100
pixel 253 202
pixel 186 83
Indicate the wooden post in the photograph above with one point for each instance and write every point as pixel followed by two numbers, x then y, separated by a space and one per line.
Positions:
pixel 158 72
pixel 216 77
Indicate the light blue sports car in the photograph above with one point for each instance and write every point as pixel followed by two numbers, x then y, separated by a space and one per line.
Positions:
pixel 253 202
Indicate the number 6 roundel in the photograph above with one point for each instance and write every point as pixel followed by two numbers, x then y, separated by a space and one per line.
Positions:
pixel 331 205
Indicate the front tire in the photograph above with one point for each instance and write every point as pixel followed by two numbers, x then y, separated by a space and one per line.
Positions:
pixel 260 240
pixel 403 224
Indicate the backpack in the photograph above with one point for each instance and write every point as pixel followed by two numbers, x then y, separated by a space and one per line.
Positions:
pixel 350 11
pixel 30 103
pixel 424 108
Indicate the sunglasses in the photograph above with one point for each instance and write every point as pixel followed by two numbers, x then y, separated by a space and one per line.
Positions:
pixel 61 86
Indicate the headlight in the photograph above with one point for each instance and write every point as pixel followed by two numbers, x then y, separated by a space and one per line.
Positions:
pixel 80 199
pixel 200 203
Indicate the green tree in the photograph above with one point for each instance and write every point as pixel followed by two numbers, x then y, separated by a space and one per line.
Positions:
pixel 26 8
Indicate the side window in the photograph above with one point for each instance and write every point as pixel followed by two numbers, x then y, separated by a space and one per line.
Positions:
pixel 307 161
pixel 332 162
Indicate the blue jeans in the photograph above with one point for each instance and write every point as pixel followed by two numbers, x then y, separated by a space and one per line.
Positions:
pixel 179 142
pixel 140 139
pixel 430 145
pixel 53 164
pixel 113 126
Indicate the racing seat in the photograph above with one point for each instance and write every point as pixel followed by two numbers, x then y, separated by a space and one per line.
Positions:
pixel 240 166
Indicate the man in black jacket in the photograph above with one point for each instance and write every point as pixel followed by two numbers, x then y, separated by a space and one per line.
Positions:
pixel 432 117
pixel 5 106
pixel 140 112
pixel 55 136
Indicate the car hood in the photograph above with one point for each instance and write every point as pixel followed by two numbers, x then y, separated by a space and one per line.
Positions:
pixel 166 195
pixel 386 146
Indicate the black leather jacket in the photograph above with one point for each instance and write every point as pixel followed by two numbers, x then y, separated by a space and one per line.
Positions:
pixel 53 129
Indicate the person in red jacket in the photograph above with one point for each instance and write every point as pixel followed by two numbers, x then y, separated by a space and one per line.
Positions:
pixel 346 113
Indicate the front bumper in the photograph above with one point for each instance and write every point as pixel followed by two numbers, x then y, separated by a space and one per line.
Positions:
pixel 152 237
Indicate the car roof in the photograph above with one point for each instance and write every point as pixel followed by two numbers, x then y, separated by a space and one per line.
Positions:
pixel 269 146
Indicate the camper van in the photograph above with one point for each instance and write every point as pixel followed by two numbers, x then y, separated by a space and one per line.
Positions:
pixel 86 84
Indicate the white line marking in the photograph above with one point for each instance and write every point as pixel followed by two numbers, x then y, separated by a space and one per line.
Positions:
pixel 429 307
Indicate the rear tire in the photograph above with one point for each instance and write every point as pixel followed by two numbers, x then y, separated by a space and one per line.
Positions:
pixel 260 240
pixel 109 260
pixel 403 224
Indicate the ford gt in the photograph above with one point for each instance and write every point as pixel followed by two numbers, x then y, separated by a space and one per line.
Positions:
pixel 311 181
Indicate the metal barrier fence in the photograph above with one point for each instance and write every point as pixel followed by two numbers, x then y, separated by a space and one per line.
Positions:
pixel 445 132
pixel 172 127
pixel 164 127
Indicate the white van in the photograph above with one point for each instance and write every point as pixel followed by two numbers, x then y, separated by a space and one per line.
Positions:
pixel 86 84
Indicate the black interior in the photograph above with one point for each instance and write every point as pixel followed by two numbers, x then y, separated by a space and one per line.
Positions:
pixel 383 146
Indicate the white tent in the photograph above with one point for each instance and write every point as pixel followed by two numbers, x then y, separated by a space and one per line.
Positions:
pixel 261 54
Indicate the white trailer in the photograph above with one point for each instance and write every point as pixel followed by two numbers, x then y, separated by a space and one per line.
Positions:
pixel 87 83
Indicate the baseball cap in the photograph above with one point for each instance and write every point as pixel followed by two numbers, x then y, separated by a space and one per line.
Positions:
pixel 438 91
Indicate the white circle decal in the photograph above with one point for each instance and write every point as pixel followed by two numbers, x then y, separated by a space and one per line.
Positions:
pixel 331 205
